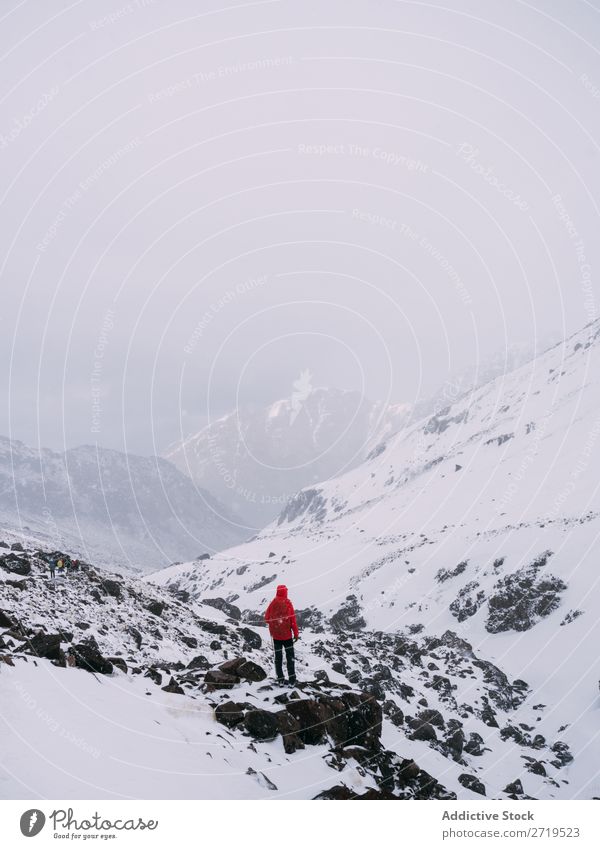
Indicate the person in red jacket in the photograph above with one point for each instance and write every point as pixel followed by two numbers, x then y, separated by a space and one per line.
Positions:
pixel 280 616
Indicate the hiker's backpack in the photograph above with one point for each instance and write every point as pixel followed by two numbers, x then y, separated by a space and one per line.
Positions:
pixel 279 617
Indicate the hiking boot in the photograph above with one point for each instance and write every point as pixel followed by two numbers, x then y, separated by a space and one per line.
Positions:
pixel 280 681
pixel 293 681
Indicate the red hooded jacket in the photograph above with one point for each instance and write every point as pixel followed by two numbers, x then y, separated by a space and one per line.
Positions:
pixel 281 616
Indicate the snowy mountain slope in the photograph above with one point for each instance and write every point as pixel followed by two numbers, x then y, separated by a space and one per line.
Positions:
pixel 85 660
pixel 255 458
pixel 116 508
pixel 482 519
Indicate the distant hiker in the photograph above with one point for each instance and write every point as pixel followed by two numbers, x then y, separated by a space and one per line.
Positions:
pixel 280 616
pixel 60 565
pixel 74 565
pixel 52 570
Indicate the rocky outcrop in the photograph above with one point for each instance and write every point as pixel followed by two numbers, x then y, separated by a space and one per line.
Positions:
pixel 16 564
pixel 471 782
pixel 261 724
pixel 173 687
pixel 443 575
pixel 232 672
pixel 521 599
pixel 46 645
pixel 251 639
pixel 112 588
pixel 468 601
pixel 155 607
pixel 221 604
pixel 349 617
pixel 307 502
pixel 6 621
pixel 393 777
pixel 86 655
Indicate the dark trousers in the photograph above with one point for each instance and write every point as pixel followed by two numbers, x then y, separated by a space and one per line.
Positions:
pixel 289 657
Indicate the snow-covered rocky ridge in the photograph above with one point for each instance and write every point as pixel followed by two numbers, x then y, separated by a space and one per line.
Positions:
pixel 112 687
pixel 110 507
pixel 481 520
pixel 255 458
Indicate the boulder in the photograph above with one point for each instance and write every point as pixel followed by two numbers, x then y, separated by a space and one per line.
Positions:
pixel 342 793
pixel 154 675
pixel 455 740
pixel 199 662
pixel 216 679
pixel 289 728
pixel 6 621
pixel 475 744
pixel 190 642
pixel 112 588
pixel 224 606
pixel 119 663
pixel 155 607
pixel 536 767
pixel 488 717
pixel 251 617
pixel 562 754
pixel 471 782
pixel 180 595
pixel 212 627
pixel 18 565
pixel 250 671
pixel 173 687
pixel 393 713
pixel 515 788
pixel 250 638
pixel 311 716
pixel 46 645
pixel 230 713
pixel 261 724
pixel 86 655
pixel 357 722
pixel 423 731
pixel 372 688
pixel 135 634
pixel 434 717
pixel 17 546
pixel 232 665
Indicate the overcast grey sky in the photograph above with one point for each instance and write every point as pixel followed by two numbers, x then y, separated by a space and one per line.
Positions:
pixel 200 200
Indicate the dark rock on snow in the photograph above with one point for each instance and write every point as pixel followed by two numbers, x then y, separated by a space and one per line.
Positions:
pixel 261 724
pixel 220 604
pixel 471 782
pixel 86 655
